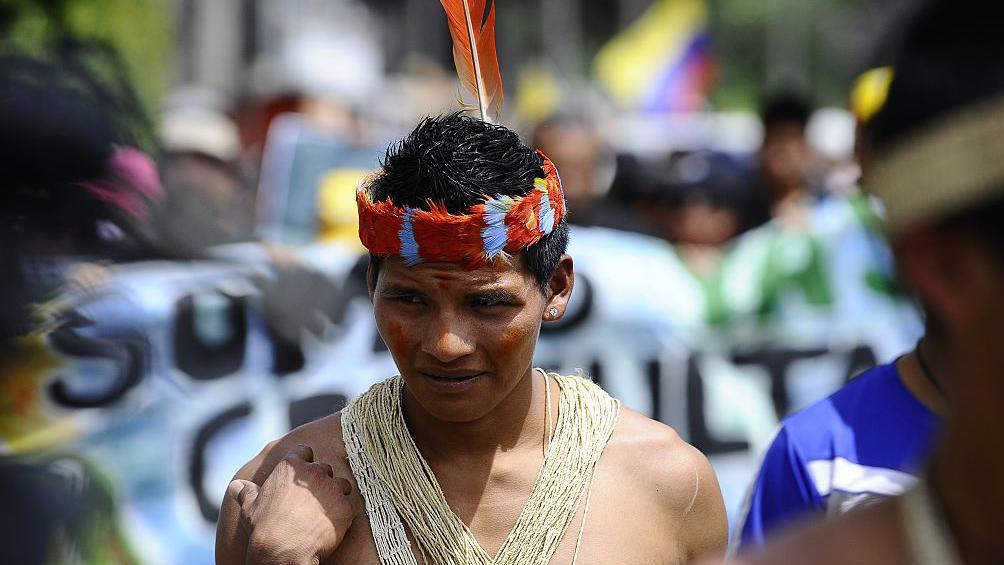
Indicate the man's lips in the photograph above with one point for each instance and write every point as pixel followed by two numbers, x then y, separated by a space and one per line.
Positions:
pixel 450 375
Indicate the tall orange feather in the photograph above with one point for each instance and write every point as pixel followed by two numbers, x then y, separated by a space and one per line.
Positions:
pixel 474 52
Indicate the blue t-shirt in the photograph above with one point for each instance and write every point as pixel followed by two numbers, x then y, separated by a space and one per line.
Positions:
pixel 863 442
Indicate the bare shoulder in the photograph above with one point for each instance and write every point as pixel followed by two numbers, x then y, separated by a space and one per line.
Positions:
pixel 323 436
pixel 653 456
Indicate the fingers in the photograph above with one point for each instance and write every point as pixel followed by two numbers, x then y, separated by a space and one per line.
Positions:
pixel 342 467
pixel 302 452
pixel 328 470
pixel 342 484
pixel 243 492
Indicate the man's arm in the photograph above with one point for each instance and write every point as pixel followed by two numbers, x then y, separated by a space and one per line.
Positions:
pixel 286 506
pixel 781 493
pixel 705 526
pixel 683 480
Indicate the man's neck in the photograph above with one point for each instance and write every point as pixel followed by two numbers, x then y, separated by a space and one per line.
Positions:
pixel 968 467
pixel 926 380
pixel 967 482
pixel 516 423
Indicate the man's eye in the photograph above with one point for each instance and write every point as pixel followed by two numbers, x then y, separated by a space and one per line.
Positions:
pixel 488 302
pixel 409 299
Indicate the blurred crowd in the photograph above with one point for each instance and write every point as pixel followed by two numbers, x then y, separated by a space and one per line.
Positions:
pixel 254 192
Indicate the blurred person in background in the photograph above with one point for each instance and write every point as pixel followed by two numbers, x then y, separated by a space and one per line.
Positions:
pixel 863 443
pixel 74 194
pixel 589 171
pixel 780 187
pixel 704 207
pixel 79 191
pixel 937 167
pixel 206 201
pixel 306 121
pixel 324 70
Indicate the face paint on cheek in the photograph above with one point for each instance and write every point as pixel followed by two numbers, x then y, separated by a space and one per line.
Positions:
pixel 395 337
pixel 513 337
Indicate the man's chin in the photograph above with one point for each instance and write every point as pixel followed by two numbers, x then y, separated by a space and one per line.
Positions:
pixel 455 401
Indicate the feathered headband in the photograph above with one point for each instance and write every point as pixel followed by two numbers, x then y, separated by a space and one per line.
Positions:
pixel 501 225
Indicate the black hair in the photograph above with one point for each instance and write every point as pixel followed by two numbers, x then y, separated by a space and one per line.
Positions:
pixel 60 120
pixel 456 161
pixel 949 59
pixel 785 106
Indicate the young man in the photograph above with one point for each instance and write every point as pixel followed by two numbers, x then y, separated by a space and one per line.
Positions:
pixel 471 455
pixel 938 167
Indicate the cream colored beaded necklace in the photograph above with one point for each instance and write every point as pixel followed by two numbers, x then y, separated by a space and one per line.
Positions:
pixel 400 488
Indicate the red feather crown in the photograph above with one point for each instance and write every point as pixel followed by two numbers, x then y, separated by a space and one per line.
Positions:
pixel 500 225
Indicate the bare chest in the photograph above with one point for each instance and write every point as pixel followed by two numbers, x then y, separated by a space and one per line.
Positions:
pixel 623 525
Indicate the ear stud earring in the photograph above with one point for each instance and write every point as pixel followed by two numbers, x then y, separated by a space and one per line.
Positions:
pixel 552 312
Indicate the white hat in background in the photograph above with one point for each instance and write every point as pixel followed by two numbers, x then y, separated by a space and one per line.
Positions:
pixel 200 130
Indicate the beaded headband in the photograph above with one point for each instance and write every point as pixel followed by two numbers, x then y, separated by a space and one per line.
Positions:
pixel 500 226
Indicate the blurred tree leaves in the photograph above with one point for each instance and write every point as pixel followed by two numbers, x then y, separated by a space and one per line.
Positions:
pixel 125 43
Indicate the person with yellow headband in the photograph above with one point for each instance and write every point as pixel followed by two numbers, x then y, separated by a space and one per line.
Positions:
pixel 938 166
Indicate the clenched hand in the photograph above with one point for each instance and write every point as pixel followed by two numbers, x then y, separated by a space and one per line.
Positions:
pixel 300 513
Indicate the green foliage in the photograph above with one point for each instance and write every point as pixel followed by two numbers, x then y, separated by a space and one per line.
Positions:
pixel 824 44
pixel 138 33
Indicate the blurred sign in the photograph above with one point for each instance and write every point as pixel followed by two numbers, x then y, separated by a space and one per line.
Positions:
pixel 169 379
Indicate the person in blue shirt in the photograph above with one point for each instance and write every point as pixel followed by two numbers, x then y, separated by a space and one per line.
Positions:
pixel 864 442
pixel 867 440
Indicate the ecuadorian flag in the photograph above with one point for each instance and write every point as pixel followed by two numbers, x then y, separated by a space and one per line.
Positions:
pixel 663 61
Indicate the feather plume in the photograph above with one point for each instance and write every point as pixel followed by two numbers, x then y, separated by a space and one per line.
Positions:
pixel 474 52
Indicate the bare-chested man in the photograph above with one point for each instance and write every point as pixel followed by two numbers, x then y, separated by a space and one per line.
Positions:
pixel 448 455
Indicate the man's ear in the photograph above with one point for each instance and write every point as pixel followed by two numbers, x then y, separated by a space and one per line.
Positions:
pixel 559 289
pixel 944 269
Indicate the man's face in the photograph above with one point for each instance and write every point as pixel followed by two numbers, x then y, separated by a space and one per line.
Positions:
pixel 462 339
pixel 785 155
pixel 960 281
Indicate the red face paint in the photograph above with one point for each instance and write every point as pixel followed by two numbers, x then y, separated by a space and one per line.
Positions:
pixel 511 339
pixel 396 337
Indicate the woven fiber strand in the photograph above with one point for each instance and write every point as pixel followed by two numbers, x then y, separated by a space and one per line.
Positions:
pixel 401 490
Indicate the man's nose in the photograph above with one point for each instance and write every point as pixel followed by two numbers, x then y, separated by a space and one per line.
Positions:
pixel 448 339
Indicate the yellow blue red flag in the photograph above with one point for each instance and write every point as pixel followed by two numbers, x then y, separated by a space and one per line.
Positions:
pixel 663 61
